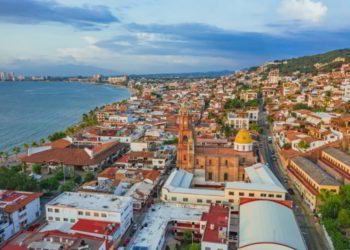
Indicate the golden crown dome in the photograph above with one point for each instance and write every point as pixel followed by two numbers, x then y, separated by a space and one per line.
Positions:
pixel 243 137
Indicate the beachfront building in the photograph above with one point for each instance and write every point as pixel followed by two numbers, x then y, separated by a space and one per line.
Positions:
pixel 185 188
pixel 17 211
pixel 99 215
pixel 309 179
pixel 266 224
pixel 65 153
pixel 218 163
pixel 336 163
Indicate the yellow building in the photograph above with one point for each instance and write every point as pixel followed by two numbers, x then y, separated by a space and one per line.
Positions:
pixel 310 179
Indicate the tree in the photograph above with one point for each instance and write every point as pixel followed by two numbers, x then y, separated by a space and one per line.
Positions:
pixel 256 127
pixel 36 168
pixel 50 184
pixel 11 179
pixel 56 136
pixel 68 186
pixel 88 176
pixel 343 218
pixel 34 144
pixel 194 246
pixel 26 147
pixel 303 144
pixel 300 106
pixel 42 140
pixel 187 237
pixel 16 150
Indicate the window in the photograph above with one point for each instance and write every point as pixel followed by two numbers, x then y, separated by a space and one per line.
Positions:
pixel 225 176
pixel 208 201
pixel 209 162
pixel 199 200
pixel 231 201
pixel 50 218
pixel 72 220
pixel 263 195
pixel 207 248
pixel 226 162
pixel 49 209
pixel 271 195
pixel 210 176
pixel 96 214
pixel 57 219
pixel 80 212
pixel 185 158
pixel 185 199
pixel 173 198
pixel 103 215
pixel 279 196
pixel 251 195
pixel 65 219
pixel 57 210
pixel 241 194
pixel 231 193
pixel 197 161
pixel 87 213
pixel 218 202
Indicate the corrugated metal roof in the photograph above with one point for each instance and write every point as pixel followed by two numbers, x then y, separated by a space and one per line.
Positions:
pixel 315 172
pixel 267 223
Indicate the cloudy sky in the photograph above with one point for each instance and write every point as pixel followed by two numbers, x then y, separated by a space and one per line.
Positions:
pixel 69 37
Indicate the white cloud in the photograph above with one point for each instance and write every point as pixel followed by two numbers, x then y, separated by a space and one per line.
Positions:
pixel 307 11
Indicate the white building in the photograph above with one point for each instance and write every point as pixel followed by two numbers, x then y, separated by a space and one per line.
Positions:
pixel 83 211
pixel 265 224
pixel 261 183
pixel 17 210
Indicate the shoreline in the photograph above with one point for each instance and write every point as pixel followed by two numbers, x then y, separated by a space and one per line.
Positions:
pixel 11 154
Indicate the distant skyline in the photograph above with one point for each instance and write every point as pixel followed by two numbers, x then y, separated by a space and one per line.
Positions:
pixel 71 37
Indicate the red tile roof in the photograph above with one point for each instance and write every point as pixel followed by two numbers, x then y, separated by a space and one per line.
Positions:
pixel 14 200
pixel 95 227
pixel 216 218
pixel 73 156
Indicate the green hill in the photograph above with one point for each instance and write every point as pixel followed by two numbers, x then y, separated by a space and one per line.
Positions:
pixel 320 63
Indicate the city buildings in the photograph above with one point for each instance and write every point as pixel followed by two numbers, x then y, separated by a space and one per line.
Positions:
pixel 218 163
pixel 185 188
pixel 17 211
pixel 99 215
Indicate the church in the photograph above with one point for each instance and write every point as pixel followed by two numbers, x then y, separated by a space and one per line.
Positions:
pixel 224 163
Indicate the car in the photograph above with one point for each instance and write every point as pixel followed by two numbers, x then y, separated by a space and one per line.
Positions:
pixel 274 158
pixel 290 191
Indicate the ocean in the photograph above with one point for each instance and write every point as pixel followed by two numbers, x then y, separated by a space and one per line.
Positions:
pixel 33 110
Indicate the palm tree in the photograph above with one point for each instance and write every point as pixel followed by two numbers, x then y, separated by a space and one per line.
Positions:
pixel 16 150
pixel 1 155
pixel 42 141
pixel 26 147
pixel 6 157
pixel 34 144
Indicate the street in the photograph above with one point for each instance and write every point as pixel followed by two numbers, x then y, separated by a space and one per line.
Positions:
pixel 309 225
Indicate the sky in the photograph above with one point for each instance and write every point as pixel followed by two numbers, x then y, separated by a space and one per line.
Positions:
pixel 112 37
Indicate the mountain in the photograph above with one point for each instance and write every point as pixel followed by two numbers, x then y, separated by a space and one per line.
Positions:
pixel 314 64
pixel 211 74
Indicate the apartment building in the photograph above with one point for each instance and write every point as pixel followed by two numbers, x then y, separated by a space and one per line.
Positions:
pixel 110 215
pixel 17 210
